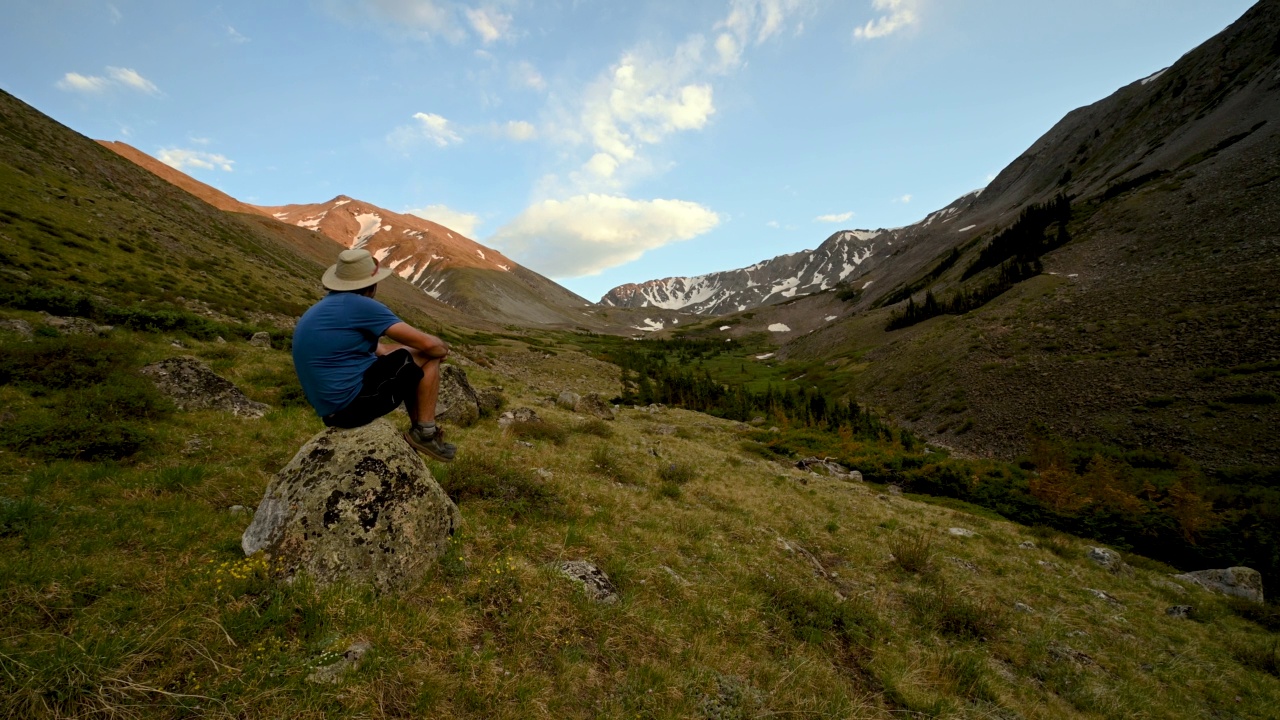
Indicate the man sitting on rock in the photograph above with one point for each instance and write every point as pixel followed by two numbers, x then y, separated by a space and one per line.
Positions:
pixel 349 377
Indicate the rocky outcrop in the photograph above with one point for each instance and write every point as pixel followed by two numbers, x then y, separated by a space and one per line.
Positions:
pixel 593 404
pixel 827 466
pixel 193 386
pixel 75 325
pixel 568 400
pixel 354 504
pixel 457 402
pixel 1239 582
pixel 261 340
pixel 518 416
pixel 491 400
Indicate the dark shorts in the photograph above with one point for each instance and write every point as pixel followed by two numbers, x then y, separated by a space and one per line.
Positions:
pixel 388 381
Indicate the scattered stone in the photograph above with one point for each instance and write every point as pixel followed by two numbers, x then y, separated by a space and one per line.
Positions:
pixel 543 473
pixel 1023 608
pixel 176 343
pixel 193 386
pixel 1027 545
pixel 457 401
pixel 195 444
pixel 1067 653
pixel 593 404
pixel 261 340
pixel 1103 595
pixel 356 504
pixel 75 325
pixel 569 400
pixel 220 340
pixel 741 426
pixel 894 489
pixel 759 420
pixel 1077 633
pixel 1239 582
pixel 594 582
pixel 775 430
pixel 1047 565
pixel 883 497
pixel 519 415
pixel 962 532
pixel 1109 560
pixel 1179 611
pixel 664 429
pixel 828 467
pixel 524 443
pixel 21 328
pixel 961 562
pixel 346 662
pixel 239 510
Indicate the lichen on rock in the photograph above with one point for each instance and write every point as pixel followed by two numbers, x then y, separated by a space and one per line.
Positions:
pixel 354 504
pixel 193 386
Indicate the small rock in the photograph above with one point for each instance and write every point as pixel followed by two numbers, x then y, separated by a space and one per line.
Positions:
pixel 568 400
pixel 193 386
pixel 220 340
pixel 664 429
pixel 1179 611
pixel 490 400
pixel 1103 595
pixel 1027 545
pixel 894 489
pixel 543 473
pixel 1109 559
pixel 457 402
pixel 239 510
pixel 176 343
pixel 1065 652
pixel 759 420
pixel 261 340
pixel 962 532
pixel 1023 608
pixel 775 430
pixel 75 325
pixel 854 476
pixel 675 576
pixel 347 662
pixel 1077 633
pixel 593 404
pixel 594 582
pixel 524 443
pixel 519 415
pixel 961 562
pixel 1167 585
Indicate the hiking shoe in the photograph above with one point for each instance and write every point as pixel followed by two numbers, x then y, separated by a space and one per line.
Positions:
pixel 431 444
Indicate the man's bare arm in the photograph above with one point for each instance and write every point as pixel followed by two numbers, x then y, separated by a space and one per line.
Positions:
pixel 411 337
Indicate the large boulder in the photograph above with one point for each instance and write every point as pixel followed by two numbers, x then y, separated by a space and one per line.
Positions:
pixel 193 386
pixel 354 504
pixel 457 402
pixel 1240 582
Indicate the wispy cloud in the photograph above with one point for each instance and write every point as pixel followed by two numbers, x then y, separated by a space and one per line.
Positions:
pixel 428 127
pixel 489 24
pixel 834 217
pixel 586 234
pixel 235 36
pixel 904 199
pixel 456 220
pixel 114 13
pixel 524 74
pixel 115 77
pixel 898 15
pixel 183 159
pixel 519 130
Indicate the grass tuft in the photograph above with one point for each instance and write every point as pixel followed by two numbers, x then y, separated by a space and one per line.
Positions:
pixel 955 614
pixel 511 486
pixel 912 551
pixel 595 426
pixel 540 430
pixel 677 473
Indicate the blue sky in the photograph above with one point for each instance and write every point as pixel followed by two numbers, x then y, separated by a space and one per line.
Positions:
pixel 595 142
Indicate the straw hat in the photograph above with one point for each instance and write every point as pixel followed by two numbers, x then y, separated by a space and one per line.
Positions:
pixel 355 270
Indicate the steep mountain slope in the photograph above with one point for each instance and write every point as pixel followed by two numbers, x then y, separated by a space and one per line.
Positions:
pixel 442 263
pixel 1208 101
pixel 1157 325
pixel 207 193
pixel 80 221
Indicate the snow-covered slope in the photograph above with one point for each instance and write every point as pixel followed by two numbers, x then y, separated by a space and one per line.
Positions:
pixel 848 258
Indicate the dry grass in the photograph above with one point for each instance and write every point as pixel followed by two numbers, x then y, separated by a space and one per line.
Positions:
pixel 109 576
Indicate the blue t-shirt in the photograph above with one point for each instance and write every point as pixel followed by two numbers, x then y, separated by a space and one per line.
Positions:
pixel 334 343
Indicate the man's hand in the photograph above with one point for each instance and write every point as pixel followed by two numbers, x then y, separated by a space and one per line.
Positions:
pixel 407 335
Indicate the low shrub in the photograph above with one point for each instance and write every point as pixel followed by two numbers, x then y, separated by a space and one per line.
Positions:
pixel 594 426
pixel 676 473
pixel 954 614
pixel 73 361
pixel 1262 656
pixel 1252 398
pixel 517 490
pixel 539 430
pixel 44 434
pixel 912 551
pixel 604 461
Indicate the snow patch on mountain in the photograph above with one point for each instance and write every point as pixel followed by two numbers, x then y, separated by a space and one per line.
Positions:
pixel 369 224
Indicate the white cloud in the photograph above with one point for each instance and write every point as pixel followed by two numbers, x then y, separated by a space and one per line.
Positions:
pixel 519 130
pixel 199 140
pixel 834 217
pixel 490 25
pixel 460 222
pixel 905 199
pixel 116 15
pixel 773 224
pixel 181 159
pixel 436 129
pixel 75 82
pixel 752 22
pixel 601 165
pixel 235 36
pixel 423 18
pixel 524 74
pixel 116 77
pixel 900 14
pixel 130 78
pixel 586 234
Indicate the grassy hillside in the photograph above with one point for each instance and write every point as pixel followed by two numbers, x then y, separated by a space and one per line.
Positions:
pixel 748 588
